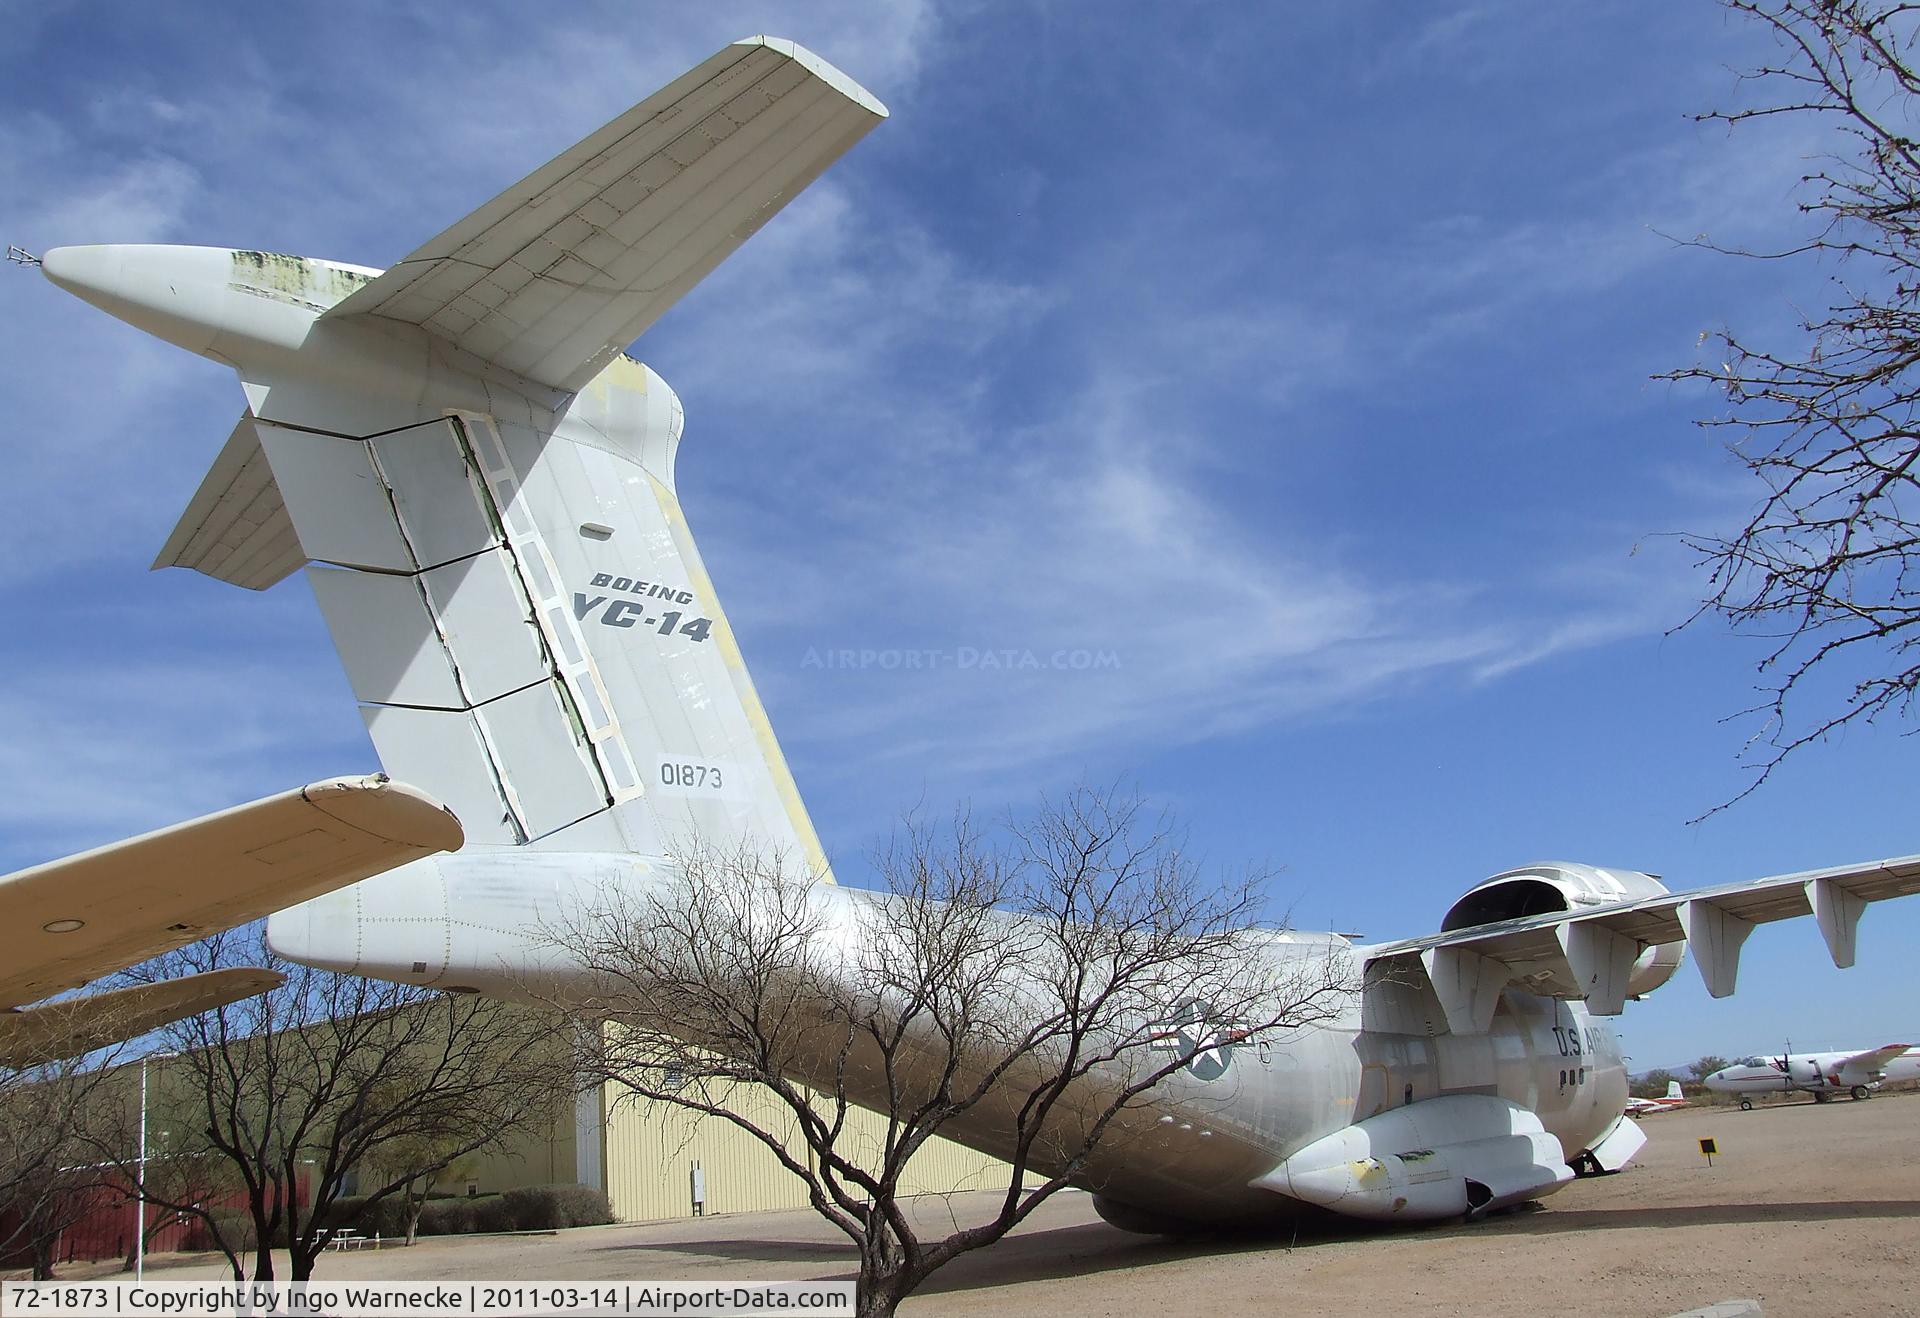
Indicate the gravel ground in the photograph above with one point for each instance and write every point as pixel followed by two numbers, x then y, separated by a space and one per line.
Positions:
pixel 1809 1209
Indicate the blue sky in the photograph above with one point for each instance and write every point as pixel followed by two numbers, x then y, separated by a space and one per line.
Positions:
pixel 1298 361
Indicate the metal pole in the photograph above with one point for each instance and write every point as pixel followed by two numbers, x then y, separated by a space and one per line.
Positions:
pixel 140 1223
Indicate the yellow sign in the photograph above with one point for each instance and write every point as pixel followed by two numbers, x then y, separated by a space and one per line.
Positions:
pixel 1709 1148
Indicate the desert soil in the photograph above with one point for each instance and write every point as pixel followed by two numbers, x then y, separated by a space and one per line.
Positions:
pixel 1808 1209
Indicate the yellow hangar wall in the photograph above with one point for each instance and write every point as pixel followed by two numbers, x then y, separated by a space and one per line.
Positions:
pixel 651 1150
pixel 546 1155
pixel 643 1153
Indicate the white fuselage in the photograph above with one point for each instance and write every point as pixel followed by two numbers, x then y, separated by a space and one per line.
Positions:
pixel 473 922
pixel 1813 1073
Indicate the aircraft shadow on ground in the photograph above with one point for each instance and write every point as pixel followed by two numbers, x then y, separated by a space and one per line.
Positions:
pixel 1094 1247
pixel 1602 1219
pixel 757 1251
pixel 1068 1251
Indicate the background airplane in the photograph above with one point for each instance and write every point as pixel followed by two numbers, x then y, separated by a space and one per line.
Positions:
pixel 1673 1098
pixel 486 485
pixel 1821 1074
pixel 71 921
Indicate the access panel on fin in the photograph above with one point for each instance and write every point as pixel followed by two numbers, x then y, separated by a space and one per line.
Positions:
pixel 428 470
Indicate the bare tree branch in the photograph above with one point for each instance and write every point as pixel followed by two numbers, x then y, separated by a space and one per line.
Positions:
pixel 1022 993
pixel 1823 566
pixel 47 1181
pixel 328 1078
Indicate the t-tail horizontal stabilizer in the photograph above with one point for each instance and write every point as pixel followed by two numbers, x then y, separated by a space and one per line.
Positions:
pixel 552 278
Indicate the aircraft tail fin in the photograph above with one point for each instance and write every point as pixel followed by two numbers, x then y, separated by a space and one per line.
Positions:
pixel 485 483
pixel 527 624
pixel 1674 1092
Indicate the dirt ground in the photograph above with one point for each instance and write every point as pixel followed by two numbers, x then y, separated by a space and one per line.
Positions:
pixel 1809 1209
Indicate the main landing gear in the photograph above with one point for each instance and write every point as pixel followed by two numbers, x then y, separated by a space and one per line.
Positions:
pixel 1746 1105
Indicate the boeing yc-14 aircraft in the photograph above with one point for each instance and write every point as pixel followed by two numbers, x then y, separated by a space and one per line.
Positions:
pixel 1821 1074
pixel 480 486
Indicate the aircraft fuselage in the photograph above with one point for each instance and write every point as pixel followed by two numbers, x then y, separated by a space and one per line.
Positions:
pixel 1191 1149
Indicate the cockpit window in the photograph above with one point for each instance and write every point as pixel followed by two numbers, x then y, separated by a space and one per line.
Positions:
pixel 1755 1061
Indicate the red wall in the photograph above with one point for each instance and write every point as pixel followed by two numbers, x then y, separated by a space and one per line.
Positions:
pixel 105 1228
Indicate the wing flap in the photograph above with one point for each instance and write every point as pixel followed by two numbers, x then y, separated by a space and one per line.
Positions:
pixel 556 275
pixel 1576 954
pixel 72 920
pixel 72 1026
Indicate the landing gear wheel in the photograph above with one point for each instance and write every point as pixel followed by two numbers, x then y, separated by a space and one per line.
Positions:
pixel 1859 1092
pixel 1746 1105
pixel 1821 1096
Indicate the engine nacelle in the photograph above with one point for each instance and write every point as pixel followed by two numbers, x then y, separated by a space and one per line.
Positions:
pixel 1439 1158
pixel 1565 886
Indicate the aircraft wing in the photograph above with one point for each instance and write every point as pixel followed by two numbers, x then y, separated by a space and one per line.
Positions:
pixel 1589 952
pixel 1874 1060
pixel 71 920
pixel 69 1027
pixel 553 278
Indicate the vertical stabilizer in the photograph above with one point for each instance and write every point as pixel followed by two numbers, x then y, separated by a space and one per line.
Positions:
pixel 528 627
pixel 484 483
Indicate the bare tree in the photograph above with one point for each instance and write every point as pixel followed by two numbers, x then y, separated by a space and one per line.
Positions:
pixel 1829 424
pixel 1022 997
pixel 46 1176
pixel 417 1162
pixel 326 1079
pixel 50 1202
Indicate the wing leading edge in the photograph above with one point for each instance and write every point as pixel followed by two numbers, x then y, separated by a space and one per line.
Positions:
pixel 75 919
pixel 1589 953
pixel 1875 1060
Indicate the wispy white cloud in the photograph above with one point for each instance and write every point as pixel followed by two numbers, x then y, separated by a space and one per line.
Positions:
pixel 110 745
pixel 943 450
